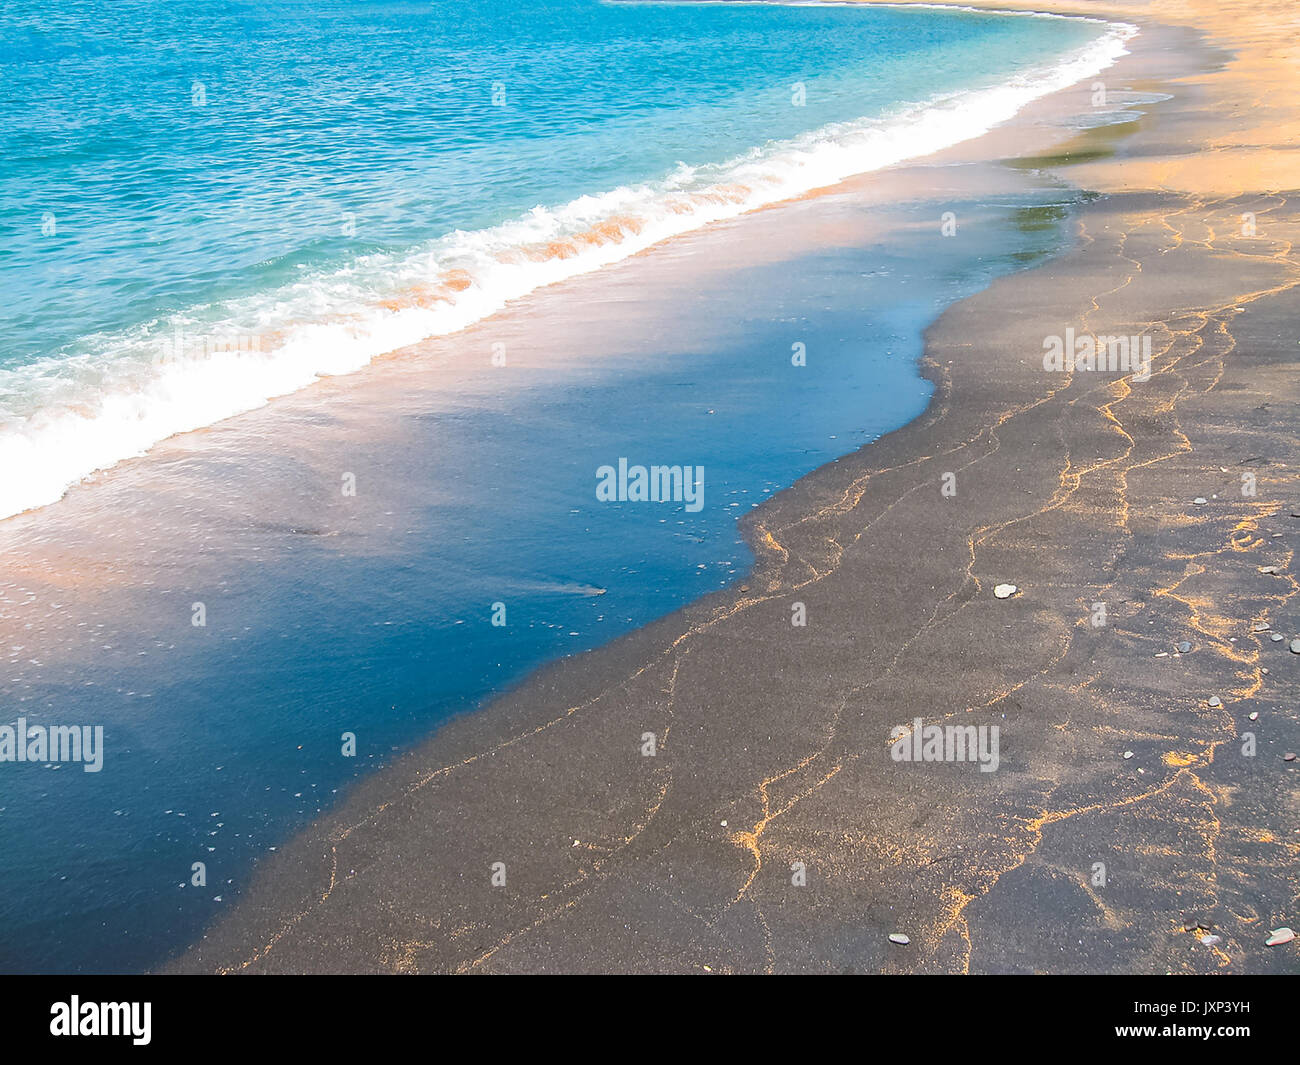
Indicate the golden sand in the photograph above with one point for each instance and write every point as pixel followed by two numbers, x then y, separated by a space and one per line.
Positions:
pixel 1251 132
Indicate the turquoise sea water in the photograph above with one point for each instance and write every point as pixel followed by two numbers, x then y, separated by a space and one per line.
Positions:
pixel 205 205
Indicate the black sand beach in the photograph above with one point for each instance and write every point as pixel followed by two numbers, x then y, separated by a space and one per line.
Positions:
pixel 773 741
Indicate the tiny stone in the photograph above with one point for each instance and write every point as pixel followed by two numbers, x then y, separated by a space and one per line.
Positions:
pixel 1215 701
pixel 1295 647
pixel 898 938
pixel 1184 647
pixel 1199 501
pixel 1005 591
pixel 1289 756
pixel 1259 626
pixel 1277 637
pixel 1279 936
pixel 1128 755
pixel 1254 716
pixel 1211 940
pixel 1267 569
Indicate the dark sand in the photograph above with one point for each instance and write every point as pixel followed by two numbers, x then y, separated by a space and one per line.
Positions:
pixel 773 740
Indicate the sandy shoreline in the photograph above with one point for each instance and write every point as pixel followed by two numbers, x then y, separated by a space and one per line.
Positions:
pixel 772 740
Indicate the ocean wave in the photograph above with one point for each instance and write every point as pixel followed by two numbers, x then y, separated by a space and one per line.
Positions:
pixel 67 417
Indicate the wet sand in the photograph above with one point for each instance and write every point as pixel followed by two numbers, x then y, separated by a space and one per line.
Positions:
pixel 772 741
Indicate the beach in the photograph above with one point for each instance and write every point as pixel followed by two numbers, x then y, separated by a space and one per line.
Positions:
pixel 721 791
pixel 812 492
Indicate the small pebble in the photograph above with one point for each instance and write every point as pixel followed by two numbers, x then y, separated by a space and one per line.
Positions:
pixel 1259 626
pixel 1254 715
pixel 898 938
pixel 1005 591
pixel 1215 701
pixel 1277 637
pixel 1295 647
pixel 1211 940
pixel 1199 501
pixel 1184 647
pixel 1128 755
pixel 1267 569
pixel 1289 756
pixel 1279 936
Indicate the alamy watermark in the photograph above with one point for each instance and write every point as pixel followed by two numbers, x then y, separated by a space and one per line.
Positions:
pixel 77 1018
pixel 189 347
pixel 652 484
pixel 919 742
pixel 53 743
pixel 1085 352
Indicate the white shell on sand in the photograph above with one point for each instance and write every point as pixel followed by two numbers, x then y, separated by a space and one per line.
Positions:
pixel 1005 591
pixel 1279 936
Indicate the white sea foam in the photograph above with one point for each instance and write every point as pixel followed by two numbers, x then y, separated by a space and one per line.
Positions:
pixel 65 418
